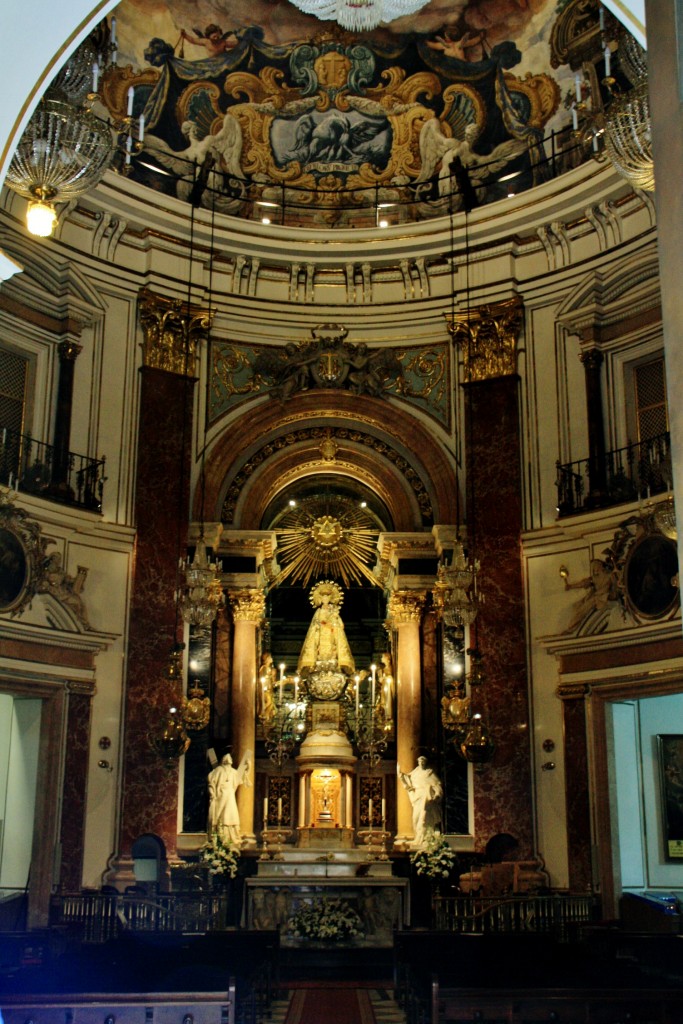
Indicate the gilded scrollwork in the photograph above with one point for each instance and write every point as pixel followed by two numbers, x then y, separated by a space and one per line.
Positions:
pixel 405 606
pixel 247 605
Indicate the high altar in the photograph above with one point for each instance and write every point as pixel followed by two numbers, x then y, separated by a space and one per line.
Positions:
pixel 338 845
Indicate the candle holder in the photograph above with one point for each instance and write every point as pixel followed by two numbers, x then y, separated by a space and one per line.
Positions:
pixel 376 841
pixel 276 837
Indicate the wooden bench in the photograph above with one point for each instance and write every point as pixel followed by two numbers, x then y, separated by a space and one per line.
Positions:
pixel 565 1006
pixel 121 1008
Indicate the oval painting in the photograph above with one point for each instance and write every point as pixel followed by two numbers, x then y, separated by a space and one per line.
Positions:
pixel 651 575
pixel 13 570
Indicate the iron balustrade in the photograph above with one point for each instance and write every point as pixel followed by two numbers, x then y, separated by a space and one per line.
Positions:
pixel 283 203
pixel 34 467
pixel 558 914
pixel 625 474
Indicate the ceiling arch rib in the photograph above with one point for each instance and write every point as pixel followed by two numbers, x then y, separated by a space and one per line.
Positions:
pixel 390 451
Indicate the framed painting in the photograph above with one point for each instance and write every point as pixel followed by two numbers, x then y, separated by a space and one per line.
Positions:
pixel 670 751
pixel 651 576
pixel 22 553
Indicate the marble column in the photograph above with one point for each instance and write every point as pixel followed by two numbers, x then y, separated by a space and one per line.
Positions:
pixel 149 792
pixel 577 796
pixel 405 615
pixel 487 337
pixel 247 611
pixel 68 353
pixel 592 360
pixel 72 829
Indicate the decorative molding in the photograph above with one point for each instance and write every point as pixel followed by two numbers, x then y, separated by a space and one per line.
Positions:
pixel 172 330
pixel 488 337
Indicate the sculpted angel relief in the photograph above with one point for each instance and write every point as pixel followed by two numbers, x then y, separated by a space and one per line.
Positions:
pixel 392 110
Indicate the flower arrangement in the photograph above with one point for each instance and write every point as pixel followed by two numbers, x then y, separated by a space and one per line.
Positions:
pixel 333 919
pixel 434 859
pixel 219 856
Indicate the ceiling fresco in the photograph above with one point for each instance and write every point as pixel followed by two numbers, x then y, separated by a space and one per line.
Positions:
pixel 254 108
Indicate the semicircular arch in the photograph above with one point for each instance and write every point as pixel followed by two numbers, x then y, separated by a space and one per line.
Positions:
pixel 375 441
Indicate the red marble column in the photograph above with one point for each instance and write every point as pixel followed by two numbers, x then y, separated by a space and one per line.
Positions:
pixel 502 788
pixel 576 792
pixel 150 786
pixel 72 828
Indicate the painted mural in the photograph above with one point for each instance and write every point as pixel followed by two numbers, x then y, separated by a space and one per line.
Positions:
pixel 252 102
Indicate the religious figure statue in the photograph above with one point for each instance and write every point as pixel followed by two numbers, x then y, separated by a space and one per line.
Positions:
pixel 265 705
pixel 223 783
pixel 601 588
pixel 425 792
pixel 326 647
pixel 386 679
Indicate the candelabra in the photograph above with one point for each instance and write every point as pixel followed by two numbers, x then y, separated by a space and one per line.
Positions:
pixel 366 717
pixel 283 716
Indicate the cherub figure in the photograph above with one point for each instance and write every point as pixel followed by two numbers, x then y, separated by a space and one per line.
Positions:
pixel 601 588
pixel 214 40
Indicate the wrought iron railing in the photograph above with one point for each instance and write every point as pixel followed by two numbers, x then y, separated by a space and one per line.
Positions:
pixel 98 917
pixel 559 914
pixel 37 468
pixel 624 474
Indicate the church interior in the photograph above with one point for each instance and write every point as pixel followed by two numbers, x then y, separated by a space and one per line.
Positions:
pixel 340 625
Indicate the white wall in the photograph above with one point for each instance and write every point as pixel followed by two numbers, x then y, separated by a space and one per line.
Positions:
pixel 20 731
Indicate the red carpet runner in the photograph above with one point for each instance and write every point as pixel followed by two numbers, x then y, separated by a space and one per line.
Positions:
pixel 330 1006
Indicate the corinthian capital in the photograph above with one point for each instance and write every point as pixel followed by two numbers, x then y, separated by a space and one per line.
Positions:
pixel 406 606
pixel 247 605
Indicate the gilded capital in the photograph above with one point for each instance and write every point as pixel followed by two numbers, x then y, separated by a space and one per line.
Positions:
pixel 573 691
pixel 406 606
pixel 68 351
pixel 172 330
pixel 488 336
pixel 592 358
pixel 247 605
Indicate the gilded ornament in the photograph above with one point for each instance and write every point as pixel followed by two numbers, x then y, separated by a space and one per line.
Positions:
pixel 406 606
pixel 488 336
pixel 247 605
pixel 172 330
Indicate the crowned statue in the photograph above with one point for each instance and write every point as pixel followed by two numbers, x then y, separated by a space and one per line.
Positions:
pixel 326 648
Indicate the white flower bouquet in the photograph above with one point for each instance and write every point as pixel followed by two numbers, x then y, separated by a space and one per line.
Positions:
pixel 219 857
pixel 332 919
pixel 434 859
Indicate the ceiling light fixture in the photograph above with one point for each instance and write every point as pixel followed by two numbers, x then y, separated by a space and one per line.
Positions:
pixel 359 15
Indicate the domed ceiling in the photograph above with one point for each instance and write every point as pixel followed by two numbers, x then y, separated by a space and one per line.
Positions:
pixel 259 110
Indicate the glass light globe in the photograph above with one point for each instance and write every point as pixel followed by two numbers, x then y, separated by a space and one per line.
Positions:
pixel 41 218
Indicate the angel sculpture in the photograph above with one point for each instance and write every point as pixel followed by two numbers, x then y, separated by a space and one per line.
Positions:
pixel 212 155
pixel 437 148
pixel 335 138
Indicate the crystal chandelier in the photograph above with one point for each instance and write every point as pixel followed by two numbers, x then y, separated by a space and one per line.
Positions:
pixel 628 139
pixel 201 591
pixel 455 591
pixel 359 15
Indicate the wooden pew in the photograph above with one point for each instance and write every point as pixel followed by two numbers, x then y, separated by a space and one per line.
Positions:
pixel 565 1006
pixel 121 1008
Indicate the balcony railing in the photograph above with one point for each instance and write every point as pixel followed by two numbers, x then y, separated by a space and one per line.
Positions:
pixel 98 917
pixel 624 474
pixel 33 467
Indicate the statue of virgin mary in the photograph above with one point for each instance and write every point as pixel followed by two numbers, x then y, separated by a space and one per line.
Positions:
pixel 326 647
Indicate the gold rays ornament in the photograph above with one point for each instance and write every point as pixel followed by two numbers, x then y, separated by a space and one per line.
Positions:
pixel 326 536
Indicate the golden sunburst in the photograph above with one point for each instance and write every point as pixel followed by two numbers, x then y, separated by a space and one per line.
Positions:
pixel 326 536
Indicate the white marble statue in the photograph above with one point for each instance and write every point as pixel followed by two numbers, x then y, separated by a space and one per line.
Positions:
pixel 223 783
pixel 425 792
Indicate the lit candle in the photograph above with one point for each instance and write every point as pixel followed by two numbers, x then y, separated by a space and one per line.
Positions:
pixel 131 98
pixel 608 57
pixel 141 128
pixel 95 76
pixel 577 83
pixel 384 812
pixel 373 669
pixel 296 692
pixel 279 809
pixel 129 147
pixel 282 679
pixel 357 697
pixel 575 119
pixel 113 32
pixel 265 810
pixel 370 812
